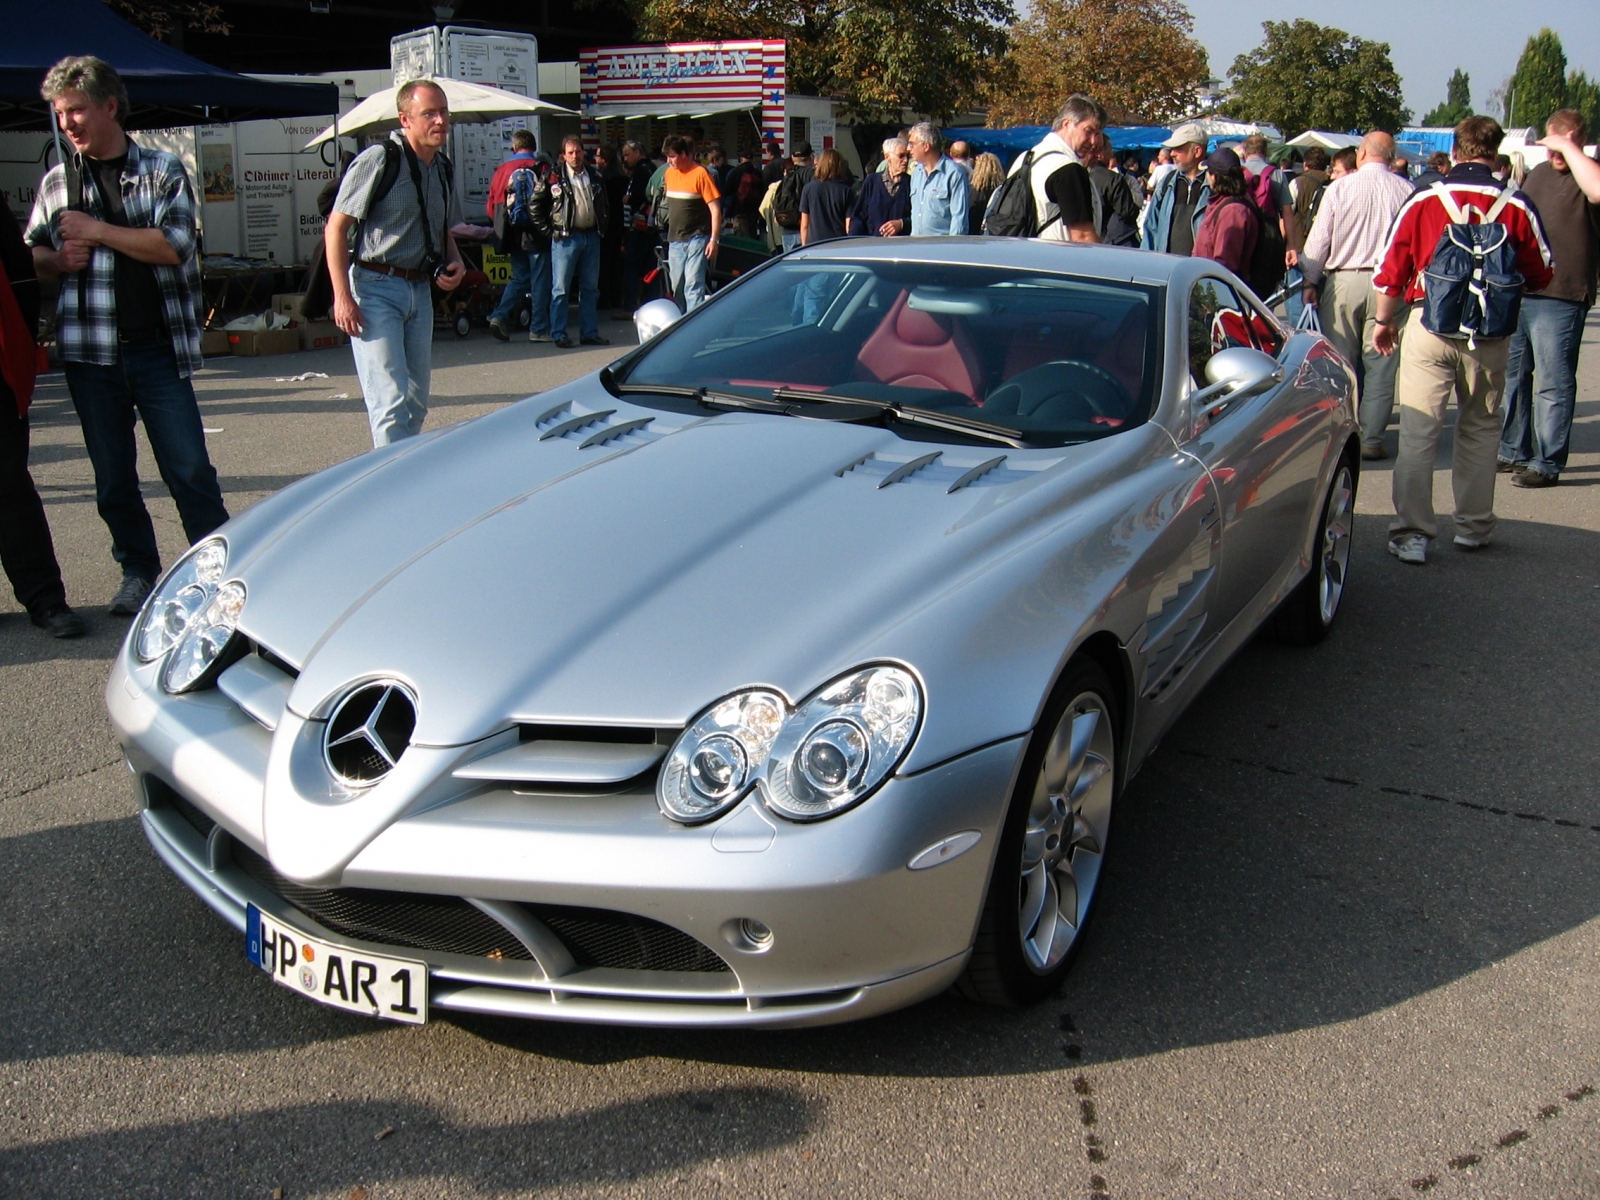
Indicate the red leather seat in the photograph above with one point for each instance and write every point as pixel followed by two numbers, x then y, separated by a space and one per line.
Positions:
pixel 911 348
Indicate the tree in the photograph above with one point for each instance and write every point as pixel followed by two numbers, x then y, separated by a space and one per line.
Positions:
pixel 874 56
pixel 1539 86
pixel 1136 57
pixel 1583 94
pixel 1310 76
pixel 1457 104
pixel 167 19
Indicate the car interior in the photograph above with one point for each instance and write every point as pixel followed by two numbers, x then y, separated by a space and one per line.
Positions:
pixel 1056 356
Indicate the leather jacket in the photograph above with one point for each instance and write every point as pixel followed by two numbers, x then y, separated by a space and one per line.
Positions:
pixel 553 209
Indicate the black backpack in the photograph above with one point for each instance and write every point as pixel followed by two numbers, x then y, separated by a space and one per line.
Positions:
pixel 786 204
pixel 1012 211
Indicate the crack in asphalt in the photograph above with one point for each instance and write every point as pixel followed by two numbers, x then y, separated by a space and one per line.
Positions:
pixel 1514 1137
pixel 1563 822
pixel 39 787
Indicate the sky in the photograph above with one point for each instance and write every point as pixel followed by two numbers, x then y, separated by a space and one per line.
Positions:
pixel 1426 40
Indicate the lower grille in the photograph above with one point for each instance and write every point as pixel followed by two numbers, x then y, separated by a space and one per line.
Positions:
pixel 599 938
pixel 162 796
pixel 443 924
pixel 595 937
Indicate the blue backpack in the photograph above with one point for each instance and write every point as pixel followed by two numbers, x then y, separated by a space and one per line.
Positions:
pixel 1472 288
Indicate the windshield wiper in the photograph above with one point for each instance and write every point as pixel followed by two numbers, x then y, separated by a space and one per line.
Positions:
pixel 702 395
pixel 911 414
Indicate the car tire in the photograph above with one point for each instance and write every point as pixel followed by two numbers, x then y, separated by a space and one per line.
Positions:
pixel 1308 613
pixel 1052 843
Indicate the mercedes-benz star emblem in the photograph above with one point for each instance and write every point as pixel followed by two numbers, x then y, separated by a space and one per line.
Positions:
pixel 368 732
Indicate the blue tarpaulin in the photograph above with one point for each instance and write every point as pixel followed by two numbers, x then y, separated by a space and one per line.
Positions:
pixel 1419 143
pixel 1006 144
pixel 165 86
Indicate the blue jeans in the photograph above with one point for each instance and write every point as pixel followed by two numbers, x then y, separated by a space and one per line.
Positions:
pixel 144 381
pixel 1539 423
pixel 530 277
pixel 686 268
pixel 394 354
pixel 790 239
pixel 578 253
pixel 1293 304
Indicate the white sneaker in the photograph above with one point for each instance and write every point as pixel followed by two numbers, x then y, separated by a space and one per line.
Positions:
pixel 1464 542
pixel 1410 548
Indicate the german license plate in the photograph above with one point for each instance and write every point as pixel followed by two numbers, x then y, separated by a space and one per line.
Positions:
pixel 395 989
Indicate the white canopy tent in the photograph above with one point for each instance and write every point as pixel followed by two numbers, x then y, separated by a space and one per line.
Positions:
pixel 1328 141
pixel 470 103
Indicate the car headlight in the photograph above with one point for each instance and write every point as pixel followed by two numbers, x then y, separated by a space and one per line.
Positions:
pixel 182 595
pixel 810 762
pixel 842 743
pixel 715 760
pixel 200 654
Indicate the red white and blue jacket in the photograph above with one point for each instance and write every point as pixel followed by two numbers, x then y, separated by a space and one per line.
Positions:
pixel 1417 226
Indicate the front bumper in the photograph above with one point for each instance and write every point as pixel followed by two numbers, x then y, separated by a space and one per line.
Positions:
pixel 855 931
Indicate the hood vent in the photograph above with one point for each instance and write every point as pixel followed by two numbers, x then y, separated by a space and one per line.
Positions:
pixel 578 756
pixel 591 428
pixel 950 472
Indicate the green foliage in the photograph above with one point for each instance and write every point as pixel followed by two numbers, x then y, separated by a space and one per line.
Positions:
pixel 1136 57
pixel 1310 76
pixel 1583 94
pixel 1539 86
pixel 1457 103
pixel 164 18
pixel 874 56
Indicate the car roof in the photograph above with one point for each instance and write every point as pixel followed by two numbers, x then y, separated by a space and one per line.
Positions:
pixel 1112 263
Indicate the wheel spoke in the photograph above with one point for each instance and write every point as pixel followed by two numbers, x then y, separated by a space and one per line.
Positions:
pixel 1093 771
pixel 1083 730
pixel 1033 846
pixel 1066 881
pixel 1083 836
pixel 1035 891
pixel 1043 934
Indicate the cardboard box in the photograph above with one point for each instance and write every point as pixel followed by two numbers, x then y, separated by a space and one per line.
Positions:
pixel 291 304
pixel 319 335
pixel 214 343
pixel 251 343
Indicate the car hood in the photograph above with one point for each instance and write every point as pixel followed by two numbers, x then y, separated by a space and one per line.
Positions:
pixel 508 575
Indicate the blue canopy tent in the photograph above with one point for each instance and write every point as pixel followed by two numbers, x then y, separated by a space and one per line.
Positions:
pixel 1006 144
pixel 1417 143
pixel 165 86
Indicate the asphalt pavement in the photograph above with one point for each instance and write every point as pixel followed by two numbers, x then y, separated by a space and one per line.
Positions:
pixel 1348 944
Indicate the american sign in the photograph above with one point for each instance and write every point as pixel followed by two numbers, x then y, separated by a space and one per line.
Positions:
pixel 685 76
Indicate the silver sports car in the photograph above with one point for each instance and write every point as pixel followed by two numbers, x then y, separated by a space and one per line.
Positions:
pixel 784 672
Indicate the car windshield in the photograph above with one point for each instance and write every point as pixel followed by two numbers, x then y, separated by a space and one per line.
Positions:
pixel 1053 358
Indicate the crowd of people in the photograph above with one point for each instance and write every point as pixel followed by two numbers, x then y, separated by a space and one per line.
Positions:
pixel 1351 235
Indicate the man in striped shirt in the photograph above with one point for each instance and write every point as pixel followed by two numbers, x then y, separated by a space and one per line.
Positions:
pixel 1342 252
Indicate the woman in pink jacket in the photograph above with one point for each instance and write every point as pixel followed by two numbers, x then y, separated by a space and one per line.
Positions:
pixel 1228 232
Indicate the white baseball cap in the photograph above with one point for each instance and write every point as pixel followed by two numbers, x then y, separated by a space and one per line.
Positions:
pixel 1193 131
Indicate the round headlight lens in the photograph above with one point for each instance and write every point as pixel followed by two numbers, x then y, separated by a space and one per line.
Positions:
pixel 205 641
pixel 842 743
pixel 182 595
pixel 710 769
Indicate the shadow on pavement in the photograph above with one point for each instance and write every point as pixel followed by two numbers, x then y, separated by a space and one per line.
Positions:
pixel 332 1148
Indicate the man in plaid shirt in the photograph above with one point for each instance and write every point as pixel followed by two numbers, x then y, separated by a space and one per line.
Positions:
pixel 116 224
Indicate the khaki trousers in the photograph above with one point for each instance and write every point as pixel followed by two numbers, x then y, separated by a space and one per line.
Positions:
pixel 1432 370
pixel 1349 305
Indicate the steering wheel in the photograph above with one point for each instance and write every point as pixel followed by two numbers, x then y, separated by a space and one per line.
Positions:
pixel 1065 378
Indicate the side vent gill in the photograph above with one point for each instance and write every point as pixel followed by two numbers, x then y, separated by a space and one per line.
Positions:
pixel 950 471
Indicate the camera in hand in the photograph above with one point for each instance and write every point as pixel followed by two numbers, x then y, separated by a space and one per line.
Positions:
pixel 434 266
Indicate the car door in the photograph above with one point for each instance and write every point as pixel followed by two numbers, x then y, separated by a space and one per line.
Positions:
pixel 1264 451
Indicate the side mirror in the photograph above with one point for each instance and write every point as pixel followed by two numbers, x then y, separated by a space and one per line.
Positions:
pixel 654 317
pixel 1234 372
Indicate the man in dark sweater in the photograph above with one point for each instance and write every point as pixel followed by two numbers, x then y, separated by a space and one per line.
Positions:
pixel 1538 423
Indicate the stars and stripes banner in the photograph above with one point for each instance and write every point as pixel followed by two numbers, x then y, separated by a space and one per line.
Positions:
pixel 684 79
